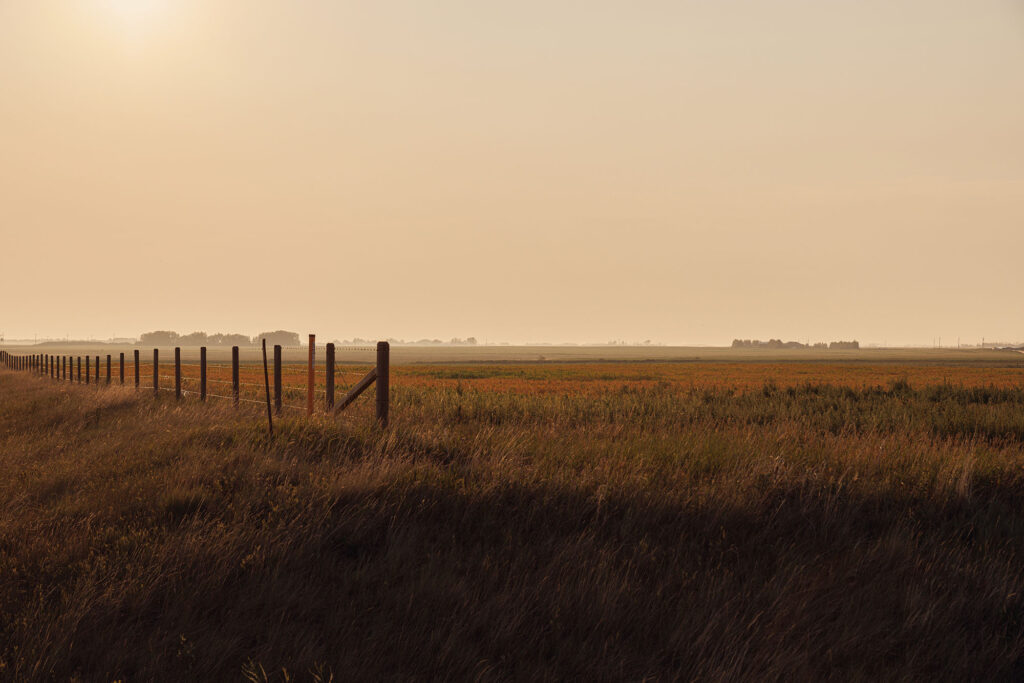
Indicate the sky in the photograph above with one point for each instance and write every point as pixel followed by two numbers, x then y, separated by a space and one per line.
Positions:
pixel 684 171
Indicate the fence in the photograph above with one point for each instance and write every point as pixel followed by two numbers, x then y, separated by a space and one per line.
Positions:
pixel 69 368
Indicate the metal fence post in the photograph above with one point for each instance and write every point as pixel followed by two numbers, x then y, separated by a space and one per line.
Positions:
pixel 311 374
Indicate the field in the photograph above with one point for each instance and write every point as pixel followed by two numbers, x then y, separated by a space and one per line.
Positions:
pixel 753 518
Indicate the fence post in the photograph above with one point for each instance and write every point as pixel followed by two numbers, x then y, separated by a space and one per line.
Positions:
pixel 87 371
pixel 311 375
pixel 234 373
pixel 277 378
pixel 79 369
pixel 177 372
pixel 108 369
pixel 329 365
pixel 97 370
pixel 156 373
pixel 136 369
pixel 202 373
pixel 120 366
pixel 383 383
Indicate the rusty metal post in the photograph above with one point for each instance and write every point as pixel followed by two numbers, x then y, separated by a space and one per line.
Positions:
pixel 311 375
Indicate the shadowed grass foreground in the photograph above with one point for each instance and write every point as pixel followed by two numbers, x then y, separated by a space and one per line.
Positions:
pixel 781 533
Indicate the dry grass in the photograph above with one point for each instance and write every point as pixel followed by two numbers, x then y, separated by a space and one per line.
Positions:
pixel 661 531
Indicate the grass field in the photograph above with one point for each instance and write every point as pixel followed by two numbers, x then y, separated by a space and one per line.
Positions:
pixel 593 521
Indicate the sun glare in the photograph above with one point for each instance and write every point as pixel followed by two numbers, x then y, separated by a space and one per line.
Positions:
pixel 135 15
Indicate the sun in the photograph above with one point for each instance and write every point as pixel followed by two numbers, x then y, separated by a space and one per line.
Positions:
pixel 135 15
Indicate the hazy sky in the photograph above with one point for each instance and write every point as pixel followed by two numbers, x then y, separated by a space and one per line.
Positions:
pixel 685 171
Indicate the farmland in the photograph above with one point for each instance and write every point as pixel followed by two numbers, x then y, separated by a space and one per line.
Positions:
pixel 754 517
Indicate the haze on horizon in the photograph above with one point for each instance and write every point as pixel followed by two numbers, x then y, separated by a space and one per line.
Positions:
pixel 682 171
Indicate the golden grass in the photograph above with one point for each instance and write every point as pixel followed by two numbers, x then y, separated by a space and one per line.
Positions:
pixel 668 530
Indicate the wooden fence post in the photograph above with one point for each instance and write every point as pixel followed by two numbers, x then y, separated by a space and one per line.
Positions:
pixel 108 369
pixel 64 368
pixel 383 383
pixel 311 375
pixel 202 373
pixel 277 378
pixel 120 366
pixel 136 369
pixel 329 365
pixel 266 389
pixel 97 370
pixel 87 372
pixel 234 373
pixel 156 373
pixel 79 369
pixel 177 373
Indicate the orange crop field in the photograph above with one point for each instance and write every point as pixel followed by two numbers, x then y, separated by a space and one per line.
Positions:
pixel 593 378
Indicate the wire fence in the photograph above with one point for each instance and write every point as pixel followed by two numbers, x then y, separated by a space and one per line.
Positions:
pixel 319 382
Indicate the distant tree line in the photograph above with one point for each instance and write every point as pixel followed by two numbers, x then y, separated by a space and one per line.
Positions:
pixel 455 341
pixel 281 337
pixel 170 338
pixel 779 344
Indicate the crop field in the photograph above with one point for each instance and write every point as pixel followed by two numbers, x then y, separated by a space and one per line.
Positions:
pixel 707 520
pixel 592 378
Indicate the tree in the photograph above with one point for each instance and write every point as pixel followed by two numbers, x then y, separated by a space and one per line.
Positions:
pixel 194 339
pixel 159 338
pixel 280 337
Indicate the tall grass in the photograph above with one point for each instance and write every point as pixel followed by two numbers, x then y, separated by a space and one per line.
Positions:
pixel 658 532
